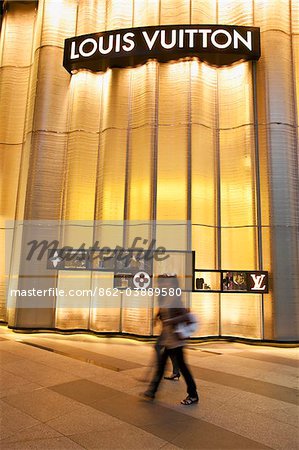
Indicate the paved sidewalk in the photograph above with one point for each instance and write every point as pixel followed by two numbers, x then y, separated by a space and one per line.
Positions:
pixel 81 391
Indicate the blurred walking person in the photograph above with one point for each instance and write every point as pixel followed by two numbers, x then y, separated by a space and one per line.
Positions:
pixel 159 347
pixel 172 313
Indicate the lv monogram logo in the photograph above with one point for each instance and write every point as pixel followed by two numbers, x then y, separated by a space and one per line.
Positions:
pixel 258 282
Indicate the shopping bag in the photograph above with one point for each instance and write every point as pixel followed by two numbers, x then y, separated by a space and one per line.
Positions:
pixel 185 329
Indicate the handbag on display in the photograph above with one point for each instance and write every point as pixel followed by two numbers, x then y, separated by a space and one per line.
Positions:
pixel 188 327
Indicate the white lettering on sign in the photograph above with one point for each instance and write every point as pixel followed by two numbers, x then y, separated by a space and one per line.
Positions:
pixel 83 44
pixel 247 42
pixel 218 45
pixel 190 34
pixel 128 40
pixel 172 43
pixel 150 42
pixel 204 37
pixel 74 55
pixel 258 282
pixel 117 43
pixel 107 50
pixel 181 37
pixel 226 44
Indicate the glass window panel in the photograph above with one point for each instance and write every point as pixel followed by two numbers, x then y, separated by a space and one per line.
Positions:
pixel 11 242
pixel 140 174
pixel 39 21
pixel 86 90
pixel 206 308
pixel 241 315
pixel 105 311
pixel 172 143
pixel 17 32
pixel 267 249
pixel 269 315
pixel 174 12
pixel 234 239
pixel 296 68
pixel 285 281
pixel 269 307
pixel 272 15
pixel 111 175
pixel 237 177
pixel 295 16
pixel 146 12
pixel 136 314
pixel 46 176
pixel 52 99
pixel 109 233
pixel 279 77
pixel 179 263
pixel 31 95
pixel 138 229
pixel 203 94
pixel 268 298
pixel 204 182
pixel 204 243
pixel 22 179
pixel 284 175
pixel 116 96
pixel 143 94
pixel 10 158
pixel 235 12
pixel 72 312
pixel 6 238
pixel 172 173
pixel 235 96
pixel 203 11
pixel 74 233
pixel 2 34
pixel 172 234
pixel 264 178
pixel 173 78
pixel 119 14
pixel 91 16
pixel 80 183
pixel 13 98
pixel 59 21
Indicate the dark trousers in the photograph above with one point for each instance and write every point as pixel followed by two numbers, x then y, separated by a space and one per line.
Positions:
pixel 160 349
pixel 178 353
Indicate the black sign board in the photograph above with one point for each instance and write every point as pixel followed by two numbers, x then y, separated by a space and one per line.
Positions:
pixel 216 44
pixel 231 281
pixel 133 269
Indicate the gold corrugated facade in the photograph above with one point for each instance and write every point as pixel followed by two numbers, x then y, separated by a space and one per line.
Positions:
pixel 181 141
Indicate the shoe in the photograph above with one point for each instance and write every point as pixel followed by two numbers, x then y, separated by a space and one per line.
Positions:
pixel 173 376
pixel 190 400
pixel 148 395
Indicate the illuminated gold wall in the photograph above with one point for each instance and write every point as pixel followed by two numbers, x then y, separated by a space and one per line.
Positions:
pixel 180 141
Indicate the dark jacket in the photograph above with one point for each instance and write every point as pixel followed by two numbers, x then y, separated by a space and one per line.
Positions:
pixel 170 317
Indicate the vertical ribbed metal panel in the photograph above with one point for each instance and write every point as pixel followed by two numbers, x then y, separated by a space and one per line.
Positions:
pixel 48 118
pixel 279 157
pixel 15 70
